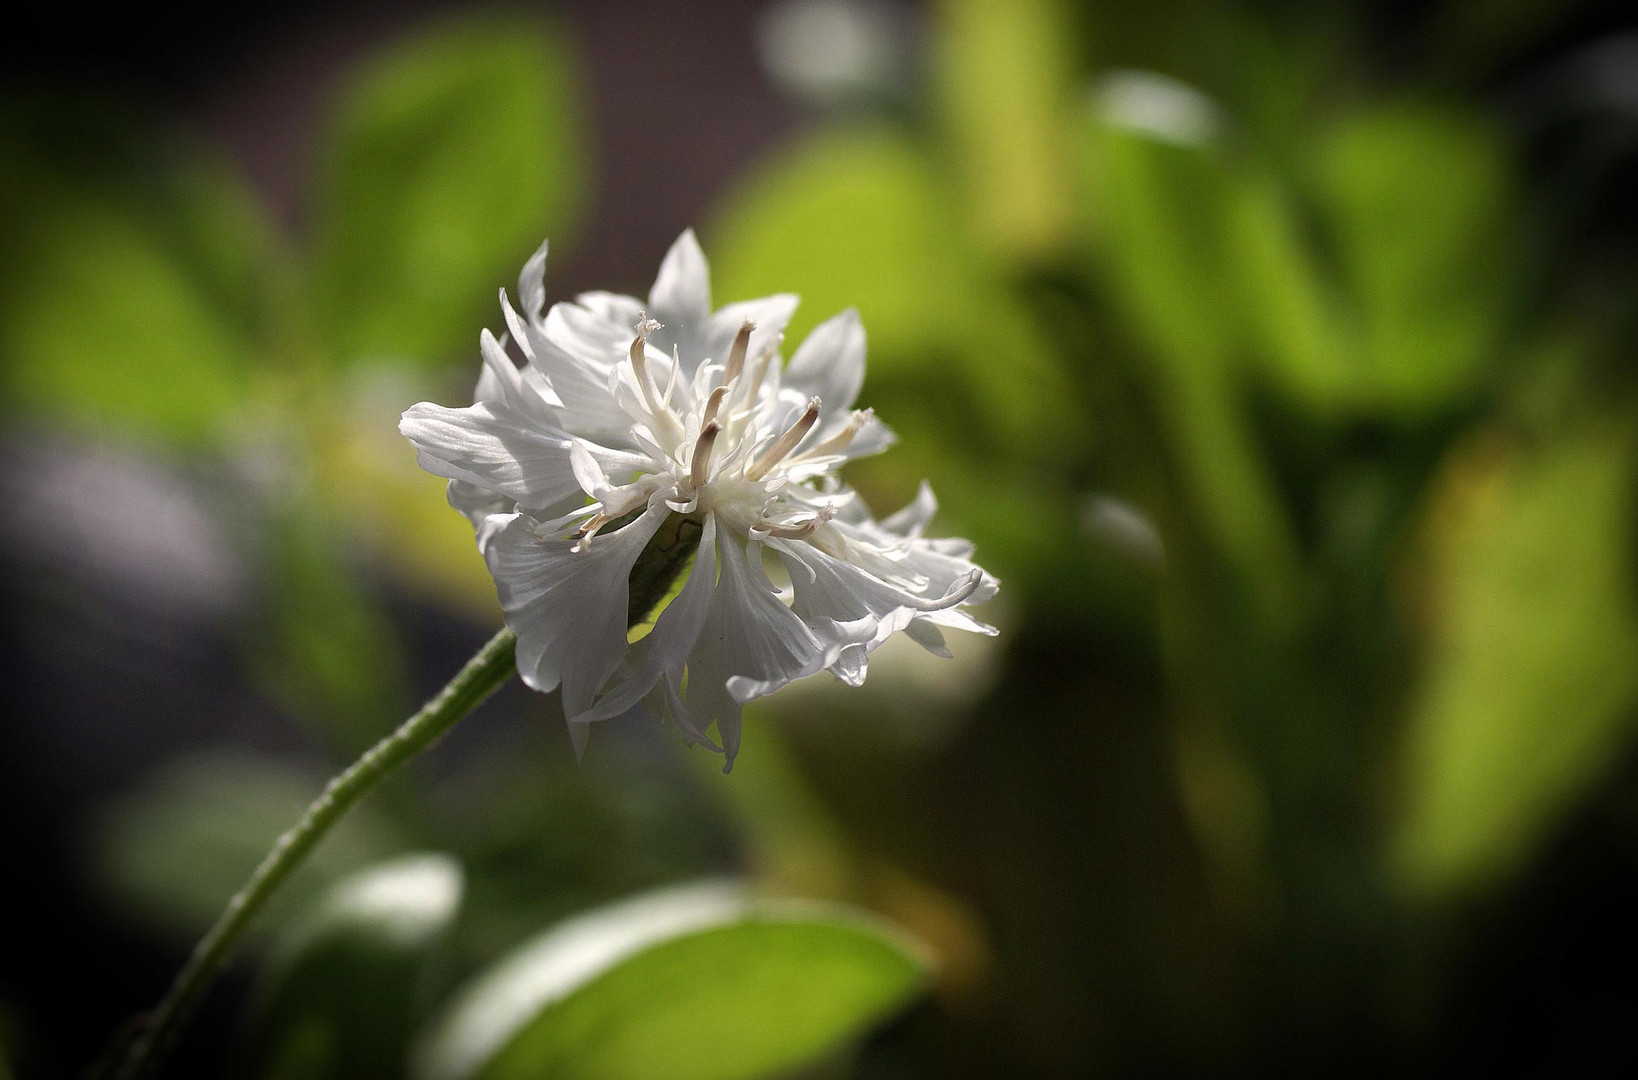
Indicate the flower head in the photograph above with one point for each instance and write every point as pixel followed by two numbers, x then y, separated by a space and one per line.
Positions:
pixel 629 423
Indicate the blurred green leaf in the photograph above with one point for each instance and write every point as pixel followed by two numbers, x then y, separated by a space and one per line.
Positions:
pixel 454 153
pixel 1003 75
pixel 1157 196
pixel 692 982
pixel 849 218
pixel 123 307
pixel 399 510
pixel 175 849
pixel 1415 202
pixel 329 651
pixel 1295 313
pixel 860 218
pixel 343 983
pixel 1533 665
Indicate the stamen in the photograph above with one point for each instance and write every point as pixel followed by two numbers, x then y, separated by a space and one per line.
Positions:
pixel 838 441
pixel 787 442
pixel 712 404
pixel 639 362
pixel 671 381
pixel 762 364
pixel 745 393
pixel 736 353
pixel 702 454
pixel 797 532
pixel 589 530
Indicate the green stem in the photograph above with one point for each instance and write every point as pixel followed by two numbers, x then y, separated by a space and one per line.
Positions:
pixel 495 663
pixel 483 674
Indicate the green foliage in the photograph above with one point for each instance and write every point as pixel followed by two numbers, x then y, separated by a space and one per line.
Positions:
pixel 1533 654
pixel 1004 76
pixel 342 986
pixel 935 309
pixel 1423 252
pixel 452 155
pixel 173 851
pixel 692 982
pixel 329 652
pixel 1157 208
pixel 108 318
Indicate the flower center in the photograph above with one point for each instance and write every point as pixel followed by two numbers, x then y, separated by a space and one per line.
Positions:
pixel 719 439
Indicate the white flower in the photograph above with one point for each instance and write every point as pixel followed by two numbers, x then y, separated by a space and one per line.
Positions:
pixel 628 417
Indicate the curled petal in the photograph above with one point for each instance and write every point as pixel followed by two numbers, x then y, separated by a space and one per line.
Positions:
pixel 490 446
pixel 764 643
pixel 567 606
pixel 910 521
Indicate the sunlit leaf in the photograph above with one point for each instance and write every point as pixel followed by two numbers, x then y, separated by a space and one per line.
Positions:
pixel 692 982
pixel 124 308
pixel 1003 74
pixel 174 850
pixel 454 153
pixel 1533 655
pixel 343 982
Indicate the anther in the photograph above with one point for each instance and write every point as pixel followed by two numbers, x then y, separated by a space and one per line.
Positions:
pixel 702 455
pixel 712 404
pixel 639 362
pixel 797 532
pixel 589 530
pixel 787 442
pixel 747 392
pixel 838 441
pixel 736 353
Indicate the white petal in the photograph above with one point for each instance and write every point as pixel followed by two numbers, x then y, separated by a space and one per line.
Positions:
pixel 579 736
pixel 708 700
pixel 681 296
pixel 873 438
pixel 926 633
pixel 617 308
pixel 915 517
pixel 958 619
pixel 830 365
pixel 851 665
pixel 567 607
pixel 675 633
pixel 770 314
pixel 850 604
pixel 943 570
pixel 480 505
pixel 493 447
pixel 522 390
pixel 532 283
pixel 764 643
pixel 597 327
